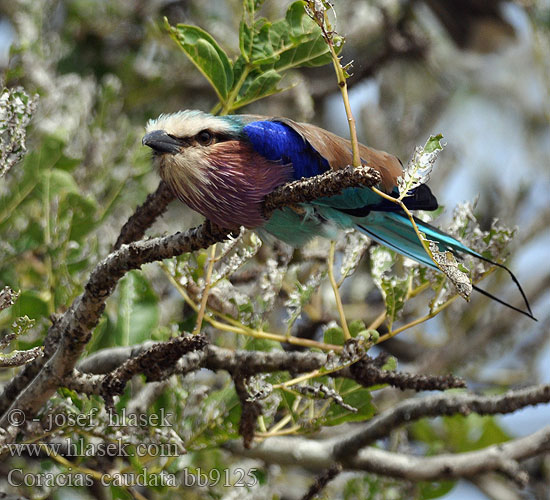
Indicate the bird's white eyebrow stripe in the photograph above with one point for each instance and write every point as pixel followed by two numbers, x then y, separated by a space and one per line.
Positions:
pixel 190 123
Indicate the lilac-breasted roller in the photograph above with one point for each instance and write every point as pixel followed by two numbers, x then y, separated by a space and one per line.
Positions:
pixel 224 166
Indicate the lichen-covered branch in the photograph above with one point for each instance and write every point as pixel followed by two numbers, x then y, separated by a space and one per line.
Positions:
pixel 154 363
pixel 248 363
pixel 327 184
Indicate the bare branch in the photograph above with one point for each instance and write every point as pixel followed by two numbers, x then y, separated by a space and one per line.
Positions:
pixel 495 487
pixel 319 455
pixel 218 358
pixel 368 374
pixel 322 480
pixel 439 405
pixel 16 385
pixel 86 383
pixel 109 359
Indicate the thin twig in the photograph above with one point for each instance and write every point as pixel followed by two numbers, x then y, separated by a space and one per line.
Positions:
pixel 322 480
pixel 336 291
pixel 206 290
pixel 237 327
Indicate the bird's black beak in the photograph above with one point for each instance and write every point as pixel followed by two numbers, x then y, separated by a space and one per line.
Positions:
pixel 160 142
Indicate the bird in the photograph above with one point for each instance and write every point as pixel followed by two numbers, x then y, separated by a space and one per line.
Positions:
pixel 224 166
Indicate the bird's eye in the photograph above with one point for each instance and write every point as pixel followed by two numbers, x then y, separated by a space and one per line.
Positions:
pixel 204 137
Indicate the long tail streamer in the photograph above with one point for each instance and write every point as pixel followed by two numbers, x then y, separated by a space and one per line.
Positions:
pixel 395 231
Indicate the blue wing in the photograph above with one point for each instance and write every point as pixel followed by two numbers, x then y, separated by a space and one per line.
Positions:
pixel 280 143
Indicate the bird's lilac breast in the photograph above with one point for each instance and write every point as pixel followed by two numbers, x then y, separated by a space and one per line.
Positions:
pixel 237 180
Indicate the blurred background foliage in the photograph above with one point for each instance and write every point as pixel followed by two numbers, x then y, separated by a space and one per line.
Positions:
pixel 478 72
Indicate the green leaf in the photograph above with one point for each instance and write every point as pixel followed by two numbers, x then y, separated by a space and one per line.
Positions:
pixel 355 327
pixel 263 85
pixel 82 211
pixel 395 293
pixel 299 23
pixel 394 289
pixel 73 396
pixel 354 395
pixel 428 491
pixel 34 164
pixel 309 54
pixel 390 364
pixel 31 304
pixel 218 422
pixel 205 53
pixel 198 272
pixel 22 325
pixel 334 335
pixel 267 39
pixel 62 182
pixel 301 296
pixel 473 432
pixel 433 144
pixel 289 43
pixel 246 27
pixel 491 434
pixel 424 430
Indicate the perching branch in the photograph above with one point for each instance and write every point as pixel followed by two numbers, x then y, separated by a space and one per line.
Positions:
pixel 327 184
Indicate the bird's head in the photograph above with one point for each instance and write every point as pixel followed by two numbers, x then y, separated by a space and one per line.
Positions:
pixel 181 142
